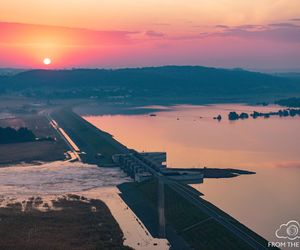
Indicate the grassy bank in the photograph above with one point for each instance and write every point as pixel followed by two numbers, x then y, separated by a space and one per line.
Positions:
pixel 88 138
pixel 198 229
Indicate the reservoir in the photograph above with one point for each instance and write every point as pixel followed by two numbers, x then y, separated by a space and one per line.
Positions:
pixel 192 138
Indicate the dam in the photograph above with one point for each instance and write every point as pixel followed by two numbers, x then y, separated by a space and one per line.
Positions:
pixel 141 166
pixel 160 196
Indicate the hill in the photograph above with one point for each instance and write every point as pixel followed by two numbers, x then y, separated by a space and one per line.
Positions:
pixel 151 82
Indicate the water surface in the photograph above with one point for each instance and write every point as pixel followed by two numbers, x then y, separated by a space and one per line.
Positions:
pixel 191 138
pixel 50 181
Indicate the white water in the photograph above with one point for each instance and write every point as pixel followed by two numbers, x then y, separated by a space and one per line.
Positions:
pixel 56 178
pixel 52 180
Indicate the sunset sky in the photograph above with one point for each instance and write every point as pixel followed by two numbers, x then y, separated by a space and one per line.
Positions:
pixel 253 34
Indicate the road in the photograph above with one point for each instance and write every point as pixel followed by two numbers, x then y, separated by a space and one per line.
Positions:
pixel 240 233
pixel 98 145
pixel 74 149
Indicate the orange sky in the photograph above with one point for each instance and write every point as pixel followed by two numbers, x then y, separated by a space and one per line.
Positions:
pixel 120 33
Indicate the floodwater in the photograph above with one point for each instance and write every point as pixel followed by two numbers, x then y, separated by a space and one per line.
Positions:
pixel 192 138
pixel 51 180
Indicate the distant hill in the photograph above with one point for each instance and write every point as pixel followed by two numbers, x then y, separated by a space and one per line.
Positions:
pixel 11 71
pixel 147 82
pixel 291 75
pixel 293 102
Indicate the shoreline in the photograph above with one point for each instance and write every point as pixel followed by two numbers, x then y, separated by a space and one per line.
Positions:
pixel 61 224
pixel 135 233
pixel 72 123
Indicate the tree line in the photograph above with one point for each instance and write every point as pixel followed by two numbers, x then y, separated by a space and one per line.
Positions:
pixel 11 135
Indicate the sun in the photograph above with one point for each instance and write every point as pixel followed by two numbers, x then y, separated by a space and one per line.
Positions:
pixel 47 61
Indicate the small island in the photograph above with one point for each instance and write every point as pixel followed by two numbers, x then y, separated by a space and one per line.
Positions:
pixel 219 118
pixel 232 116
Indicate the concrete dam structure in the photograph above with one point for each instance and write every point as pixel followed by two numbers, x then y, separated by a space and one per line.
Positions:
pixel 142 166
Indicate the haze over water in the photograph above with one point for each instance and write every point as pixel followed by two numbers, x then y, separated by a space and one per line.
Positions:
pixel 270 147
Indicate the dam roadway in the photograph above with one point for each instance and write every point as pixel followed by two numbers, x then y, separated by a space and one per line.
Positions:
pixel 194 199
pixel 99 147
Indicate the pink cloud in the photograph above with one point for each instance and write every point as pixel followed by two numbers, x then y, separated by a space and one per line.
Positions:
pixel 17 33
pixel 25 45
pixel 152 33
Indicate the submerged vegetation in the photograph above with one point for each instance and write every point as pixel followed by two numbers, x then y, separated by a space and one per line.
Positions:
pixel 281 113
pixel 74 223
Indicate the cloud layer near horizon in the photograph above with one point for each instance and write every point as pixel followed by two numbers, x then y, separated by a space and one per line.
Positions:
pixel 20 33
pixel 26 44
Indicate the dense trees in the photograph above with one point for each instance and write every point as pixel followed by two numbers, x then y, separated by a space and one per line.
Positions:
pixel 281 113
pixel 171 83
pixel 233 116
pixel 11 135
pixel 290 102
